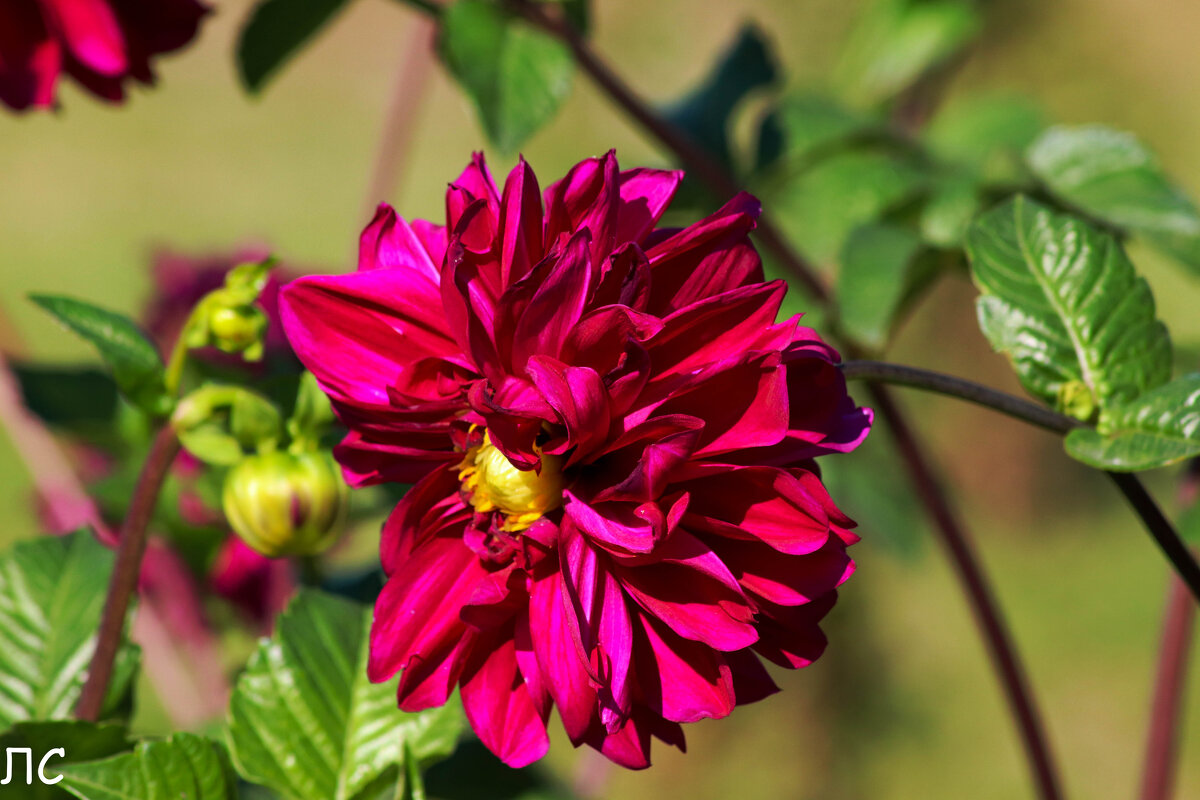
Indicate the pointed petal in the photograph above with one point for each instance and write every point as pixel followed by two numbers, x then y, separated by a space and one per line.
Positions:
pixel 499 705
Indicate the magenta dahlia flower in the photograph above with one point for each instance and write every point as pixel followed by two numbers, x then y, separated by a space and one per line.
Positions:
pixel 616 509
pixel 100 43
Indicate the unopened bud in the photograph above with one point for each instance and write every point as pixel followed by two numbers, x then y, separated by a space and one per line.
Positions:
pixel 286 503
pixel 238 328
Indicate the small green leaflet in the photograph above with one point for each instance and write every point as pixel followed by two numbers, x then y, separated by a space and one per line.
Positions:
pixel 517 76
pixel 1159 428
pixel 183 767
pixel 1113 176
pixel 1063 301
pixel 878 272
pixel 129 353
pixel 51 593
pixel 275 31
pixel 306 722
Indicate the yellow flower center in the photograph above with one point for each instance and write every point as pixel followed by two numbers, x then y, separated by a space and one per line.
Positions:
pixel 521 495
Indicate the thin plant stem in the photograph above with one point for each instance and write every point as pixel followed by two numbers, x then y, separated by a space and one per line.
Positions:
pixel 980 596
pixel 718 179
pixel 1155 522
pixel 1166 709
pixel 410 87
pixel 130 549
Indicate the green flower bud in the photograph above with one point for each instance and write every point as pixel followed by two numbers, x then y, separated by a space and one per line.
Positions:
pixel 238 328
pixel 1075 399
pixel 285 504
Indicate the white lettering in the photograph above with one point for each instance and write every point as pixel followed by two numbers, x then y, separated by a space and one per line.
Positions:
pixel 62 753
pixel 28 764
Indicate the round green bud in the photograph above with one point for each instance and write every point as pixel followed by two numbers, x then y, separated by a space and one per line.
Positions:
pixel 286 504
pixel 236 328
pixel 1075 399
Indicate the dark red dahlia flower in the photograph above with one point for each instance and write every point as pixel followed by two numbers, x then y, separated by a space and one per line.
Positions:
pixel 616 509
pixel 99 43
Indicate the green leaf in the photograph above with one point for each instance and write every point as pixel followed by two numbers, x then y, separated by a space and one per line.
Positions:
pixel 877 272
pixel 953 202
pixel 51 593
pixel 81 741
pixel 305 720
pixel 275 31
pixel 704 114
pixel 1114 177
pixel 987 135
pixel 80 400
pixel 1159 428
pixel 183 767
pixel 803 125
pixel 129 353
pixel 820 207
pixel 897 41
pixel 218 422
pixel 516 76
pixel 1063 301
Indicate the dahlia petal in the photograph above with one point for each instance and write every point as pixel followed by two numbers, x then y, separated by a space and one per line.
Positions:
pixel 751 681
pixel 417 613
pixel 645 195
pixel 788 580
pixel 499 706
pixel 477 184
pixel 680 679
pixel 91 32
pixel 531 671
pixel 389 242
pixel 355 332
pixel 30 58
pixel 772 505
pixel 710 257
pixel 558 655
pixel 601 338
pixel 587 198
pixel 614 526
pixel 578 397
pixel 694 593
pixel 557 305
pixel 600 623
pixel 661 445
pixel 791 635
pixel 469 299
pixel 520 224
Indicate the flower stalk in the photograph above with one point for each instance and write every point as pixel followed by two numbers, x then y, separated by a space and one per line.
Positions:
pixel 130 550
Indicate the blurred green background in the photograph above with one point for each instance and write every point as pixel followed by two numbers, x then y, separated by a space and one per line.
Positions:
pixel 904 704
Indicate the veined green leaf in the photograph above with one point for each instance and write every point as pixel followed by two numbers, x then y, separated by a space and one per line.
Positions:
pixel 1063 301
pixel 135 364
pixel 305 720
pixel 897 41
pixel 183 767
pixel 1159 428
pixel 1113 176
pixel 80 741
pixel 517 76
pixel 275 31
pixel 51 593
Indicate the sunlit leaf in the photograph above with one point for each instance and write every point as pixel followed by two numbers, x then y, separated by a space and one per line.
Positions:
pixel 516 76
pixel 1113 176
pixel 183 767
pixel 820 207
pixel 51 593
pixel 128 352
pixel 1159 428
pixel 305 720
pixel 897 41
pixel 1063 301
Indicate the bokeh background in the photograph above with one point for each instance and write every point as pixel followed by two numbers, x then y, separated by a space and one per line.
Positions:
pixel 904 704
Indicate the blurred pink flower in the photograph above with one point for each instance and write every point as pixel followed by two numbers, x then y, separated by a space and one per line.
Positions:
pixel 258 586
pixel 99 43
pixel 616 509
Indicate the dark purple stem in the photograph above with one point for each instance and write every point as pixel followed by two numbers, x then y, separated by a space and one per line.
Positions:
pixel 130 549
